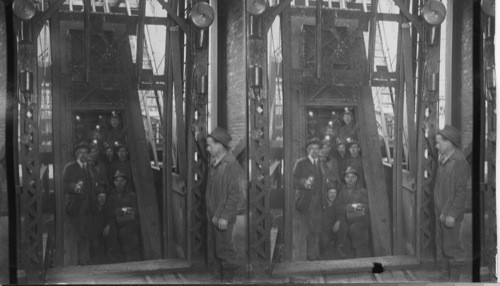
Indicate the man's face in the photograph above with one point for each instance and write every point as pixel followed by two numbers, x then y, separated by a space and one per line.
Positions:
pixel 119 183
pixel 443 146
pixel 94 153
pixel 82 155
pixel 350 179
pixel 101 199
pixel 341 149
pixel 347 118
pixel 114 122
pixel 109 153
pixel 313 150
pixel 354 150
pixel 122 154
pixel 329 131
pixel 214 147
pixel 332 194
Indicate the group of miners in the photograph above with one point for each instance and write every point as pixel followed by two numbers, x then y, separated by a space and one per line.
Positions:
pixel 330 197
pixel 100 199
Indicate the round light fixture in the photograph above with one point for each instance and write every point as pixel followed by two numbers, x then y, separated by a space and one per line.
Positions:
pixel 488 7
pixel 24 9
pixel 433 12
pixel 202 15
pixel 256 7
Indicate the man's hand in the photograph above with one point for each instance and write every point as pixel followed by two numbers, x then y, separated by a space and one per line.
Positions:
pixel 450 221
pixel 222 224
pixel 336 226
pixel 105 232
pixel 441 218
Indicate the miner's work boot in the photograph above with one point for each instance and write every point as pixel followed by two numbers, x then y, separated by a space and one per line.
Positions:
pixel 444 271
pixel 455 270
pixel 227 275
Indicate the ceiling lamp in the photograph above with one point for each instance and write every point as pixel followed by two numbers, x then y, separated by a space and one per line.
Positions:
pixel 24 9
pixel 433 12
pixel 202 15
pixel 488 7
pixel 256 7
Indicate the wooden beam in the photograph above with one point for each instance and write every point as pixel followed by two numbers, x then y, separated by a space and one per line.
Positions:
pixel 343 266
pixel 86 4
pixel 272 13
pixel 414 20
pixel 178 20
pixel 398 153
pixel 113 18
pixel 179 101
pixel 41 17
pixel 167 150
pixel 319 42
pixel 59 128
pixel 410 98
pixel 372 38
pixel 96 274
pixel 140 40
pixel 387 17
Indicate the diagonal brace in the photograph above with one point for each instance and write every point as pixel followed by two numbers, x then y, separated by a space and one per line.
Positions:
pixel 272 13
pixel 414 20
pixel 178 20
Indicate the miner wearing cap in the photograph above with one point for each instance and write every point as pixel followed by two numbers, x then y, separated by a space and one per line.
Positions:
pixel 349 129
pixel 98 241
pixel 308 184
pixel 223 195
pixel 115 132
pixel 77 185
pixel 122 164
pixel 355 161
pixel 450 199
pixel 341 155
pixel 122 222
pixel 331 215
pixel 354 221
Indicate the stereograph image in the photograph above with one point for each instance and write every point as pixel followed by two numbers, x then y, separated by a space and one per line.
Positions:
pixel 247 141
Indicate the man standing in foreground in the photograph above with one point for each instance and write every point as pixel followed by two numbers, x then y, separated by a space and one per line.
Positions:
pixel 222 198
pixel 78 188
pixel 450 199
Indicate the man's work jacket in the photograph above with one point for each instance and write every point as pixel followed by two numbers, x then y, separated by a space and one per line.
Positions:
pixel 224 188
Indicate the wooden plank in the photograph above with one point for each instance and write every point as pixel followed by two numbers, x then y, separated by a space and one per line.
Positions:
pixel 410 97
pixel 121 271
pixel 398 153
pixel 140 40
pixel 58 127
pixel 270 14
pixel 179 100
pixel 286 40
pixel 319 42
pixel 374 174
pixel 87 38
pixel 342 266
pixel 404 10
pixel 143 178
pixel 112 18
pixel 173 15
pixel 364 277
pixel 372 37
pixel 167 149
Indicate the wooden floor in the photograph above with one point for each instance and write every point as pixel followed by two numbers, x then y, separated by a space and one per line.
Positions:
pixel 90 275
